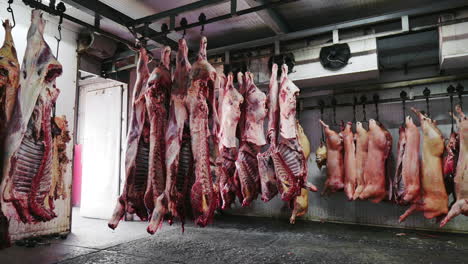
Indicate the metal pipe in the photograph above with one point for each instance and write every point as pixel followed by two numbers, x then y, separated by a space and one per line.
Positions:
pixel 384 101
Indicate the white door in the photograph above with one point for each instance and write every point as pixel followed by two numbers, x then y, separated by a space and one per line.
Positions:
pixel 101 151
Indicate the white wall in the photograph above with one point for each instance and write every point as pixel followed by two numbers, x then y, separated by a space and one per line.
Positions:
pixel 65 104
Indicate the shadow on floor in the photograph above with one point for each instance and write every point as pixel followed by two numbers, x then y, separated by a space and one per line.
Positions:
pixel 235 239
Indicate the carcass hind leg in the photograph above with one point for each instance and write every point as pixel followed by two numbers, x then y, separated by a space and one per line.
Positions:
pixel 358 192
pixel 414 207
pixel 460 207
pixel 119 212
pixel 157 218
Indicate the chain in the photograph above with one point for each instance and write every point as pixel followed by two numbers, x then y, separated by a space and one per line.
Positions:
pixel 451 91
pixel 322 105
pixel 354 109
pixel 376 103
pixel 403 96
pixel 426 94
pixel 363 102
pixel 460 93
pixel 333 102
pixel 10 10
pixel 60 9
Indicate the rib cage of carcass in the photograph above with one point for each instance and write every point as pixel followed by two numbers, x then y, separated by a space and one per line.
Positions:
pixel 34 160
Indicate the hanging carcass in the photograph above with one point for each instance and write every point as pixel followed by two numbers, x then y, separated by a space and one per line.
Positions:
pixel 200 99
pixel 252 139
pixel 179 158
pixel 288 157
pixel 9 80
pixel 136 156
pixel 29 141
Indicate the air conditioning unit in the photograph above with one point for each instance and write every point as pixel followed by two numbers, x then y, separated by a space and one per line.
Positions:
pixel 334 64
pixel 453 48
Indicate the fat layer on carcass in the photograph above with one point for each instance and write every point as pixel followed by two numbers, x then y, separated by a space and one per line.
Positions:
pixel 379 147
pixel 202 78
pixel 300 204
pixel 29 144
pixel 9 80
pixel 137 150
pixel 335 161
pixel 405 186
pixel 157 98
pixel 350 165
pixel 362 143
pixel 433 200
pixel 461 177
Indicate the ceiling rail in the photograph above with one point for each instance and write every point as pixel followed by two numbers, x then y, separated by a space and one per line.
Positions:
pixel 228 16
pixel 175 11
pixel 428 9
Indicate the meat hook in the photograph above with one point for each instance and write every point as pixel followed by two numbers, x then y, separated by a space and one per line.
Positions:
pixel 202 20
pixel 460 90
pixel 354 109
pixel 404 97
pixel 451 91
pixel 363 102
pixel 426 94
pixel 10 10
pixel 333 103
pixel 376 103
pixel 321 103
pixel 183 23
pixel 60 9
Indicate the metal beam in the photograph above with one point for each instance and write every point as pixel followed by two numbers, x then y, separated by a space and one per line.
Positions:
pixel 429 9
pixel 230 15
pixel 175 11
pixel 38 5
pixel 94 6
pixel 271 18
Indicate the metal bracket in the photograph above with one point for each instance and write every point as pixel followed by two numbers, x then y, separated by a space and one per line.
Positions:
pixel 233 7
pixel 336 37
pixel 405 23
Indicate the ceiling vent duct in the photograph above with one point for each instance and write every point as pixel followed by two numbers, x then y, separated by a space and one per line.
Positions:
pixel 96 45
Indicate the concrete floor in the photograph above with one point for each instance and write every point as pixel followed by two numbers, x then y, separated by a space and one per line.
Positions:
pixel 235 239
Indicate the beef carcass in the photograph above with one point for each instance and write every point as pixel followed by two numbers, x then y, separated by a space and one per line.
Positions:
pixel 350 165
pixel 60 160
pixel 179 159
pixel 136 156
pixel 253 138
pixel 225 162
pixel 452 150
pixel 300 204
pixel 461 177
pixel 433 200
pixel 288 156
pixel 335 162
pixel 157 98
pixel 405 186
pixel 9 80
pixel 202 78
pixel 362 143
pixel 28 148
pixel 321 155
pixel 266 167
pixel 379 148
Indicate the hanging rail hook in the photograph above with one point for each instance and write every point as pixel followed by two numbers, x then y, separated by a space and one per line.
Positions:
pixel 10 10
pixel 354 108
pixel 202 20
pixel 333 103
pixel 460 90
pixel 363 103
pixel 183 23
pixel 404 97
pixel 321 103
pixel 426 94
pixel 376 103
pixel 451 91
pixel 60 9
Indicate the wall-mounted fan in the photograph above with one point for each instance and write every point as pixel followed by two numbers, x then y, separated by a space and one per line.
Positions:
pixel 335 57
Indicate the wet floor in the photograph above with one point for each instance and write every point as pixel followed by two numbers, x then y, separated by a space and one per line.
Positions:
pixel 234 239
